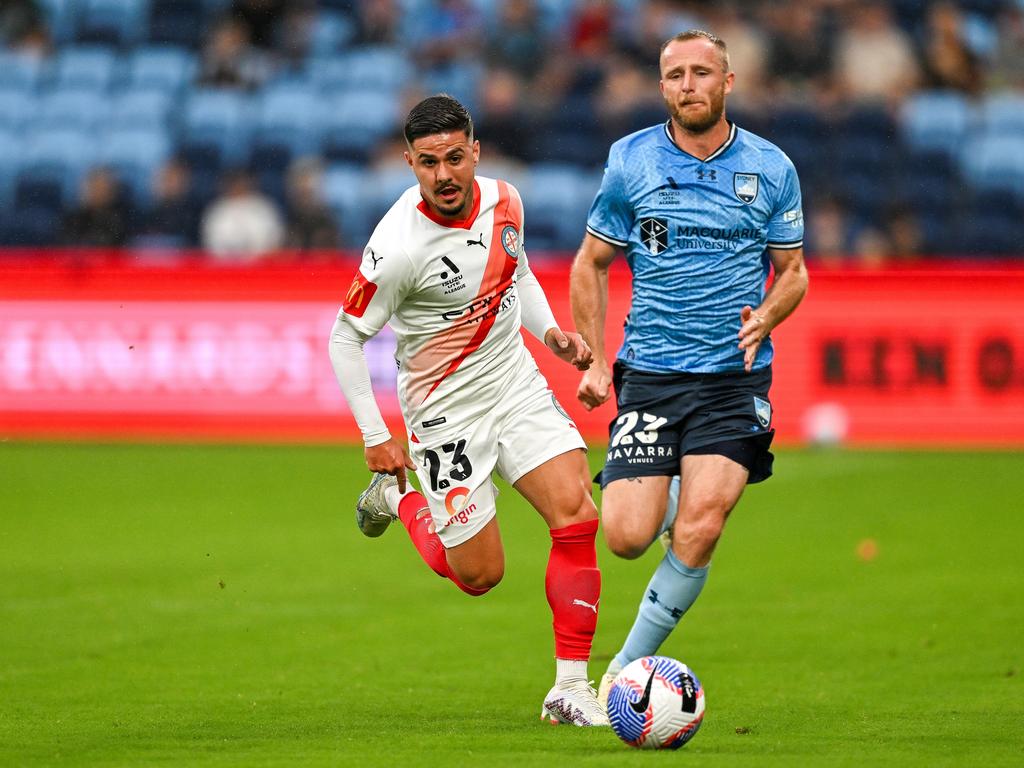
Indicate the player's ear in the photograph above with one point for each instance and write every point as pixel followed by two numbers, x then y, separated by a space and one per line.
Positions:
pixel 729 79
pixel 408 158
pixel 476 151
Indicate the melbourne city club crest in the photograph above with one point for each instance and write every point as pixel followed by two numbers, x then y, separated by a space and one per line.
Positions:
pixel 654 234
pixel 745 186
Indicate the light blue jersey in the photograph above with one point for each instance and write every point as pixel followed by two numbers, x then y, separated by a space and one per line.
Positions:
pixel 695 235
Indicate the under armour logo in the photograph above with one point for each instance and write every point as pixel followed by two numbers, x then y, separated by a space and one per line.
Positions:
pixel 675 612
pixel 585 604
pixel 375 258
pixel 710 174
pixel 479 242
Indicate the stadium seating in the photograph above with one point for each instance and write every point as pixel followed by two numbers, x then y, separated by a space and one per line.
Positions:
pixel 85 67
pixel 125 71
pixel 161 66
pixel 936 120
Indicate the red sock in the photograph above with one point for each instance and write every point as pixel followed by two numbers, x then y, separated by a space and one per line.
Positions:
pixel 573 586
pixel 428 544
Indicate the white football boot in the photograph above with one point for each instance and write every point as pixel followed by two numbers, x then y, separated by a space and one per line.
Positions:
pixel 373 515
pixel 575 703
pixel 604 688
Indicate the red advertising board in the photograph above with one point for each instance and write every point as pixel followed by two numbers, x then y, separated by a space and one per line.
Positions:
pixel 115 349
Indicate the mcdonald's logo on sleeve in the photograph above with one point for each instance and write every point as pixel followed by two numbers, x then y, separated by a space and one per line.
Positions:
pixel 359 294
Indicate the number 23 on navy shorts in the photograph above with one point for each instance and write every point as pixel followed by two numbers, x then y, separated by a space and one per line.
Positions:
pixel 664 416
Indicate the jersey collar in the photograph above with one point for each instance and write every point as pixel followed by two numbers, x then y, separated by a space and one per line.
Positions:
pixel 729 141
pixel 465 223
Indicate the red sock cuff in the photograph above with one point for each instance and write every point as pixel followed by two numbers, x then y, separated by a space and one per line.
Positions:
pixel 409 505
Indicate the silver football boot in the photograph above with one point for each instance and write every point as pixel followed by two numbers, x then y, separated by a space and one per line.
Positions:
pixel 373 515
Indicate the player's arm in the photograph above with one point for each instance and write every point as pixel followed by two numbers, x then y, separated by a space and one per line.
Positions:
pixel 786 292
pixel 540 321
pixel 588 294
pixel 373 296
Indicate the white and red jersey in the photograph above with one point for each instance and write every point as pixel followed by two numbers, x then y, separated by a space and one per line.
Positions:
pixel 448 290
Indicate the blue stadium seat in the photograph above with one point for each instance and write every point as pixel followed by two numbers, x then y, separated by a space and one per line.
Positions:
pixel 10 161
pixel 331 33
pixel 935 120
pixel 927 182
pixel 72 108
pixel 17 108
pixel 161 66
pixel 344 192
pixel 217 122
pixel 1003 114
pixel 379 68
pixel 51 169
pixel 556 198
pixel 460 80
pixel 112 22
pixel 85 67
pixel 135 154
pixel 149 109
pixel 990 226
pixel 60 18
pixel 18 72
pixel 995 163
pixel 177 22
pixel 354 122
pixel 287 116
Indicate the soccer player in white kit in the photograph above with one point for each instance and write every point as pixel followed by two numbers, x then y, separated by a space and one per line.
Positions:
pixel 446 268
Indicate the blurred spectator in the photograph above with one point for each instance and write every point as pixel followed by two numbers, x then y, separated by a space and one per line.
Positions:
pixel 100 220
pixel 874 59
pixel 172 220
pixel 241 224
pixel 948 61
pixel 230 61
pixel 17 19
pixel 800 55
pixel 628 100
pixel 501 120
pixel 871 246
pixel 828 231
pixel 446 31
pixel 903 229
pixel 748 53
pixel 516 42
pixel 1007 64
pixel 311 224
pixel 590 32
pixel 378 22
pixel 262 18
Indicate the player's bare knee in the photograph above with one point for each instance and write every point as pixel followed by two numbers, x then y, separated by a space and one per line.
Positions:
pixel 484 580
pixel 625 543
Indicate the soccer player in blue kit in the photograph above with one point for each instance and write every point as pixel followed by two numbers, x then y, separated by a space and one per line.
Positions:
pixel 702 209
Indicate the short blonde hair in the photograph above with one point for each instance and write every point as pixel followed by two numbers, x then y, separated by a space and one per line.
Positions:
pixel 700 34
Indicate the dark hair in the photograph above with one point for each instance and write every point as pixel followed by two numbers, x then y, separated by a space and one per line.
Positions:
pixel 437 114
pixel 700 34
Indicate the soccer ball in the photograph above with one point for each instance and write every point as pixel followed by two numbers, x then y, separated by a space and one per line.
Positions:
pixel 656 703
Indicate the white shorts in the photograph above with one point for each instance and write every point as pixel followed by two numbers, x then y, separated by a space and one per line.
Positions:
pixel 455 462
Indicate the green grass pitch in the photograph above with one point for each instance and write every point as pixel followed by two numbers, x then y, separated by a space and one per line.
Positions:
pixel 216 606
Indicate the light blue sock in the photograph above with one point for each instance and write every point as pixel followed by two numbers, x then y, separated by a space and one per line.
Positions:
pixel 670 593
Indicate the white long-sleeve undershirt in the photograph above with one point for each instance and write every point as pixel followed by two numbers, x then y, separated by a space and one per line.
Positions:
pixel 533 305
pixel 353 374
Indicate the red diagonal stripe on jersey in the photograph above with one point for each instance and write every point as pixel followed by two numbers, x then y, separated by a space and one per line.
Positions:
pixel 497 278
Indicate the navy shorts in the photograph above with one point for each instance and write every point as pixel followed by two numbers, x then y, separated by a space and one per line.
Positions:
pixel 665 416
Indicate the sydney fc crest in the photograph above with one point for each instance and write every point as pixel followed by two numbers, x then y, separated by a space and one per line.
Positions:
pixel 654 234
pixel 745 185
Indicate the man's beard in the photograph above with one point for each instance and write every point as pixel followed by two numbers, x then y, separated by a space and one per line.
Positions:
pixel 701 124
